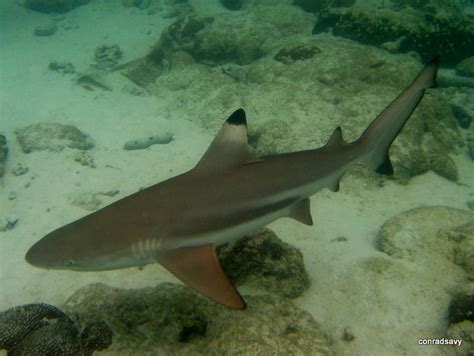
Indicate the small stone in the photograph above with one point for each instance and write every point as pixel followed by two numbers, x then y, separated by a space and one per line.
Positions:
pixel 12 196
pixel 107 56
pixel 347 336
pixel 142 143
pixel 8 223
pixel 62 67
pixel 470 204
pixel 111 193
pixel 3 154
pixel 461 308
pixel 462 116
pixel 46 30
pixel 298 52
pixel 19 170
pixel 466 67
pixel 88 202
pixel 233 5
pixel 85 159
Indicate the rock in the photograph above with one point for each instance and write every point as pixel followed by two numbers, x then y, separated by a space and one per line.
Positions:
pixel 427 27
pixel 141 4
pixel 94 80
pixel 107 56
pixel 42 329
pixel 85 159
pixel 298 52
pixel 88 201
pixel 233 5
pixel 218 40
pixel 173 319
pixel 439 238
pixel 8 223
pixel 465 332
pixel 62 67
pixel 3 154
pixel 46 30
pixel 466 67
pixel 448 78
pixel 50 6
pixel 312 5
pixel 142 143
pixel 464 249
pixel 262 260
pixel 461 308
pixel 462 116
pixel 470 145
pixel 19 170
pixel 235 71
pixel 53 137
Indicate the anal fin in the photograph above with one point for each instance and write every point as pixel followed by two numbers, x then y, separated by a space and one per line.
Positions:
pixel 301 212
pixel 385 167
pixel 198 267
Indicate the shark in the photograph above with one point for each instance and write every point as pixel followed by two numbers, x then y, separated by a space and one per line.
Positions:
pixel 228 194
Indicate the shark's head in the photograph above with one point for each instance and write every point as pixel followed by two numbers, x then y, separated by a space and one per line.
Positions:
pixel 77 247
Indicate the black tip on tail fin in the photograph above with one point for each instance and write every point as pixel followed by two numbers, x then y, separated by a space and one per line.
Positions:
pixel 386 167
pixel 237 118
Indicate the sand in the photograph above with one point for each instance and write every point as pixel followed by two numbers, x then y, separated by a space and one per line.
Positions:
pixel 31 93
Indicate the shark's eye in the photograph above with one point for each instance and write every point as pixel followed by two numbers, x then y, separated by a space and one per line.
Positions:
pixel 69 262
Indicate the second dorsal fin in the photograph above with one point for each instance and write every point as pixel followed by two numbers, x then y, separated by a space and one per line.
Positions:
pixel 336 139
pixel 229 148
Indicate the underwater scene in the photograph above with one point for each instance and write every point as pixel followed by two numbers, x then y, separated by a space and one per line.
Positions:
pixel 236 177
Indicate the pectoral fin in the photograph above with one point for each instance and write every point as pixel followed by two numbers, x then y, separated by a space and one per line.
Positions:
pixel 198 267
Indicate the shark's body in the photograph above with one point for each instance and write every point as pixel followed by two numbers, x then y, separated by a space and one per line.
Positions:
pixel 228 194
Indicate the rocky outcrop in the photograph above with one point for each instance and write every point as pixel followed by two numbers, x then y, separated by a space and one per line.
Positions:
pixel 427 27
pixel 172 319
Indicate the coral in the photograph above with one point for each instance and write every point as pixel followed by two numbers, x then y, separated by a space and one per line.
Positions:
pixel 42 329
pixel 142 143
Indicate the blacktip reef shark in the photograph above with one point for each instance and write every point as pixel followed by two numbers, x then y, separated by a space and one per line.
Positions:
pixel 228 194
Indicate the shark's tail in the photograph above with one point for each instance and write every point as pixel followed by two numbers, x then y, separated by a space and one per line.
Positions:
pixel 378 137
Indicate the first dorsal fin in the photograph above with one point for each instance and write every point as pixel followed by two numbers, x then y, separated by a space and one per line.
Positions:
pixel 336 139
pixel 229 148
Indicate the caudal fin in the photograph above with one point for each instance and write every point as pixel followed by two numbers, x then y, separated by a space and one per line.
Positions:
pixel 380 134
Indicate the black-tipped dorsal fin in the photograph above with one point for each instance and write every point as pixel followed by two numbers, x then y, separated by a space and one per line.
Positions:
pixel 229 148
pixel 336 139
pixel 301 211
